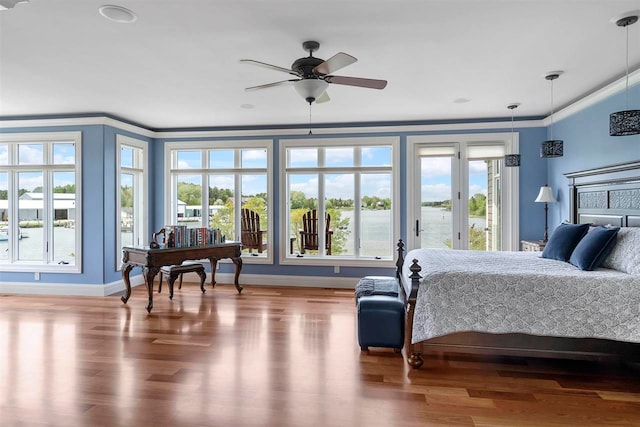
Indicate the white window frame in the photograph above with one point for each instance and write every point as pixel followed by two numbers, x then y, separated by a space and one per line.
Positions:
pixel 510 215
pixel 141 196
pixel 338 261
pixel 170 183
pixel 48 168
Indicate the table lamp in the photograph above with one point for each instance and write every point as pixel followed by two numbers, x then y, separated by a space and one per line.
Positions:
pixel 546 196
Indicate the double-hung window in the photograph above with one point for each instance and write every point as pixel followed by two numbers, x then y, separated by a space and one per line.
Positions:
pixel 220 185
pixel 132 193
pixel 40 202
pixel 339 197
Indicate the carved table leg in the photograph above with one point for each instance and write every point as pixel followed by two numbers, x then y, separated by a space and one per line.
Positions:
pixel 203 277
pixel 126 269
pixel 149 274
pixel 238 262
pixel 214 262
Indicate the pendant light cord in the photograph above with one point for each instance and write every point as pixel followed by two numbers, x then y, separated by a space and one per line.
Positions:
pixel 627 84
pixel 551 110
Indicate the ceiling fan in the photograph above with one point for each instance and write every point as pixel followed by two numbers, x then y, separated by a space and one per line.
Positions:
pixel 313 75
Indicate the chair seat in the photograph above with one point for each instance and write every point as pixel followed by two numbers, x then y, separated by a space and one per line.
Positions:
pixel 173 271
pixel 187 267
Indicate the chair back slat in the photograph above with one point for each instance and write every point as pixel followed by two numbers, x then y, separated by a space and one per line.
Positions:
pixel 309 233
pixel 250 232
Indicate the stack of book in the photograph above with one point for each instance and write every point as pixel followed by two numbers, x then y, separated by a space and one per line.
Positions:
pixel 179 236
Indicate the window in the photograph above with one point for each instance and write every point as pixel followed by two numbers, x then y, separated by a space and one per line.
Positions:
pixel 458 194
pixel 351 184
pixel 211 184
pixel 40 203
pixel 131 225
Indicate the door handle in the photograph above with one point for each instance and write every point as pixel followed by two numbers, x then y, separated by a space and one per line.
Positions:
pixel 417 227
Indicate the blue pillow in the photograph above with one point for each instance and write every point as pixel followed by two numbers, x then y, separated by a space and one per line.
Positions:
pixel 563 241
pixel 594 248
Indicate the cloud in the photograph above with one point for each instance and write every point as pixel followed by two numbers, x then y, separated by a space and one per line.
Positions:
pixel 435 166
pixel 436 192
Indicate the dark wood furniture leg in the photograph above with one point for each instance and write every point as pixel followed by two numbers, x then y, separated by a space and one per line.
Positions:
pixel 126 269
pixel 149 274
pixel 238 262
pixel 214 262
pixel 203 277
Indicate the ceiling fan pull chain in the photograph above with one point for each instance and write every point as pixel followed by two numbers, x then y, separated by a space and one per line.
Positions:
pixel 310 133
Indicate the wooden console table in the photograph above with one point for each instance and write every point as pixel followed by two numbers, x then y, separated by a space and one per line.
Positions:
pixel 152 259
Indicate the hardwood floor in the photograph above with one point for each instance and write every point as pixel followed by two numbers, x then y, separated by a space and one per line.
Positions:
pixel 270 357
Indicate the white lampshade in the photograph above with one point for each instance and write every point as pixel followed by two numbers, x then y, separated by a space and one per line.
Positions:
pixel 546 195
pixel 310 89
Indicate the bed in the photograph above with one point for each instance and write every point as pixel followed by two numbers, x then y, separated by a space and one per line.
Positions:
pixel 517 303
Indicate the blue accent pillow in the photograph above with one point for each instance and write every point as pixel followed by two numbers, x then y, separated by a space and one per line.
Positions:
pixel 594 248
pixel 563 241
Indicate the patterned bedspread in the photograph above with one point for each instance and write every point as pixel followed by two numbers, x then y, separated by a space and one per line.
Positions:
pixel 504 292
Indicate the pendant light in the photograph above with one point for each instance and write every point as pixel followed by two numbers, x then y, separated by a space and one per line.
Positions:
pixel 512 160
pixel 552 147
pixel 625 122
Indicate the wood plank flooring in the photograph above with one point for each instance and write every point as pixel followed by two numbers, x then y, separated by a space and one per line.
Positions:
pixel 270 357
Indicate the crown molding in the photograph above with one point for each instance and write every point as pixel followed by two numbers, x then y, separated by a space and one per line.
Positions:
pixel 581 104
pixel 593 98
pixel 78 121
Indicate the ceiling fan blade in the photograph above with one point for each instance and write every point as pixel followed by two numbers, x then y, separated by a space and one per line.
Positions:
pixel 357 81
pixel 323 98
pixel 272 67
pixel 268 85
pixel 333 64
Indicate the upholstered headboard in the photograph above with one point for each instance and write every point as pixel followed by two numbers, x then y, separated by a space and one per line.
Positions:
pixel 606 195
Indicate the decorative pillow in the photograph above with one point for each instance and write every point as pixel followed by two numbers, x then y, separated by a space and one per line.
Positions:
pixel 563 241
pixel 625 255
pixel 594 248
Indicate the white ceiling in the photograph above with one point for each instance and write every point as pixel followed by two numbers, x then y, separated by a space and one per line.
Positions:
pixel 178 64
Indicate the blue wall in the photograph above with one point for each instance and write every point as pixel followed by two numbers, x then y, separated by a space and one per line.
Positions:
pixel 587 144
pixel 533 174
pixel 98 207
pixel 100 213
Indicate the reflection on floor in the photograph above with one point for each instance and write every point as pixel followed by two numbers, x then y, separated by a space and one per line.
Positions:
pixel 269 357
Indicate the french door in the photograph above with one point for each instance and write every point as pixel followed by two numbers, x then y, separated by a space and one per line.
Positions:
pixel 460 195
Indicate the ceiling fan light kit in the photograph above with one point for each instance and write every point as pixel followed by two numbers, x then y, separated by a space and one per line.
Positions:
pixel 626 122
pixel 315 74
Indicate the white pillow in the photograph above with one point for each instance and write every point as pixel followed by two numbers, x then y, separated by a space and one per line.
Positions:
pixel 625 255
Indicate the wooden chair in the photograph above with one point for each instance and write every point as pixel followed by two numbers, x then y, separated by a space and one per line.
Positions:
pixel 250 232
pixel 309 232
pixel 172 272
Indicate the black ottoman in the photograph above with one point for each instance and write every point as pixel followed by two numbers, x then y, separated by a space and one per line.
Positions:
pixel 381 321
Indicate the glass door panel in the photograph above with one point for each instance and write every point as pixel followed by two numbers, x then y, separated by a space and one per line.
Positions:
pixel 436 222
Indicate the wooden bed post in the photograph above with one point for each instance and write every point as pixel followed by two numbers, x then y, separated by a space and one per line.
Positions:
pixel 415 359
pixel 400 261
pixel 414 356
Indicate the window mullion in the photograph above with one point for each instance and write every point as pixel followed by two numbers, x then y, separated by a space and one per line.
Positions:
pixel 357 202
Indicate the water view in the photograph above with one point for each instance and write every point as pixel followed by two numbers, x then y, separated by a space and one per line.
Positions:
pixel 30 247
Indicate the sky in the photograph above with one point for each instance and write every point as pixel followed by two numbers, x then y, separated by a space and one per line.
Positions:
pixel 34 154
pixel 436 178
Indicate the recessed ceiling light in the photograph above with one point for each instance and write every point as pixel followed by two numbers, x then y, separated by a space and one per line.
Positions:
pixel 118 14
pixel 461 100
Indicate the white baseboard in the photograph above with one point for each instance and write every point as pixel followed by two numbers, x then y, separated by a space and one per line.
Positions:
pixel 226 278
pixel 67 289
